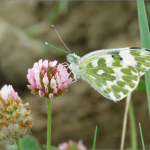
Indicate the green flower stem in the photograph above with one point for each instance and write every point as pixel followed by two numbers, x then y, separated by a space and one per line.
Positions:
pixel 49 124
pixel 18 144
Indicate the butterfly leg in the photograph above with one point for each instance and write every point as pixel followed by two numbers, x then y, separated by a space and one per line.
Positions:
pixel 73 81
pixel 65 64
pixel 74 78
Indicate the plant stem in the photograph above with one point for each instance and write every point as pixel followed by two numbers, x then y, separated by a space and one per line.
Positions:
pixel 49 124
pixel 18 144
pixel 125 121
pixel 132 127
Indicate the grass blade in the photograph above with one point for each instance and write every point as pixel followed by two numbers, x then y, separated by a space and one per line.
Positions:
pixel 132 127
pixel 142 137
pixel 145 40
pixel 94 141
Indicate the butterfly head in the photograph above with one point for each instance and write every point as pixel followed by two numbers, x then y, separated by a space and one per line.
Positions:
pixel 73 58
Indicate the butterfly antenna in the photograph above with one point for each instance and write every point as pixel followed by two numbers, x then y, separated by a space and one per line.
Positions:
pixel 60 38
pixel 56 47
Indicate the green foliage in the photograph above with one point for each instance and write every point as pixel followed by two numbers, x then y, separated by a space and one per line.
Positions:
pixel 63 6
pixel 43 27
pixel 132 127
pixel 142 137
pixel 59 8
pixel 37 29
pixel 94 141
pixel 28 142
pixel 145 40
pixel 54 14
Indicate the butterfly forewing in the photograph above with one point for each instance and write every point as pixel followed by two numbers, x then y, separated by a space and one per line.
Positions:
pixel 139 58
pixel 115 73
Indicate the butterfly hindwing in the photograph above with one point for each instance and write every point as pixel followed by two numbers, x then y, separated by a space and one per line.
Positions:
pixel 111 76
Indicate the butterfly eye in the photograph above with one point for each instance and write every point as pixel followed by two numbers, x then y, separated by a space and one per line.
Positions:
pixel 70 58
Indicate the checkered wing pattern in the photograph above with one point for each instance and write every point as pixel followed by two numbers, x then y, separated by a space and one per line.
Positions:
pixel 116 73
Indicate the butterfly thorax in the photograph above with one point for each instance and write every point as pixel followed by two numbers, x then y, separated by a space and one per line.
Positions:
pixel 73 59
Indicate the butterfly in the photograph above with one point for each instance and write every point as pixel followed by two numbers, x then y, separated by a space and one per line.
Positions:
pixel 114 73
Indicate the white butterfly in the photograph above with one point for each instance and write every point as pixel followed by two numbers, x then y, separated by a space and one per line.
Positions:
pixel 114 73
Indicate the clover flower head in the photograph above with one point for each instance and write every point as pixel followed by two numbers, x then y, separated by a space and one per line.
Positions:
pixel 15 117
pixel 47 79
pixel 72 145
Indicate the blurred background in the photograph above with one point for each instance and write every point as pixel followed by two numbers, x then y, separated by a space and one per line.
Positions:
pixel 84 26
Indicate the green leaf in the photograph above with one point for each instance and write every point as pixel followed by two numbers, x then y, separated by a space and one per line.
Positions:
pixel 59 8
pixel 63 6
pixel 94 141
pixel 142 137
pixel 54 13
pixel 37 29
pixel 132 127
pixel 28 142
pixel 145 40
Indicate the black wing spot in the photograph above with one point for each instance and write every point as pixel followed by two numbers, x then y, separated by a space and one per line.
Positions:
pixel 117 57
pixel 140 48
pixel 136 48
